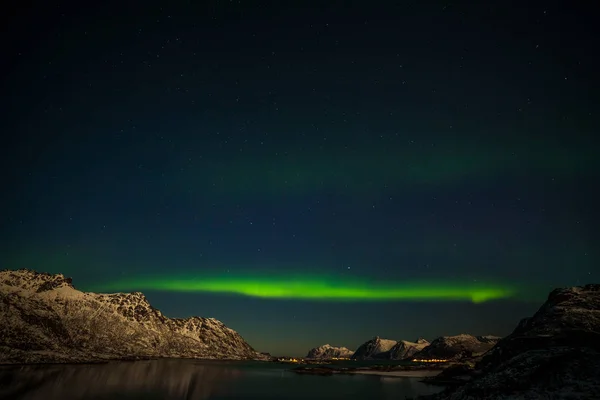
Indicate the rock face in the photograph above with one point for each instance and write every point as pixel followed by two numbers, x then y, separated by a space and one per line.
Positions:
pixel 43 318
pixel 375 348
pixel 554 354
pixel 327 351
pixel 459 346
pixel 405 349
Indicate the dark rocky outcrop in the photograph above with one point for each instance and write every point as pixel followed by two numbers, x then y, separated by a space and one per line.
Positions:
pixel 43 318
pixel 554 354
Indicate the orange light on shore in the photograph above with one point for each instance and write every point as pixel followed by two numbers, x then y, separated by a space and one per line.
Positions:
pixel 429 360
pixel 290 360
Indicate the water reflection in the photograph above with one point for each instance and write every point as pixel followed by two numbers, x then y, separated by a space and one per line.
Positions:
pixel 190 379
pixel 164 379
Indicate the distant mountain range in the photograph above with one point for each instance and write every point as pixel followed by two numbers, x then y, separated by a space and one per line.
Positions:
pixel 43 318
pixel 385 349
pixel 457 347
pixel 404 349
pixel 328 352
pixel 445 347
pixel 553 354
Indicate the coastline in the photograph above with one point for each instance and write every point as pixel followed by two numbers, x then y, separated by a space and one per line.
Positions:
pixel 108 359
pixel 394 372
pixel 421 373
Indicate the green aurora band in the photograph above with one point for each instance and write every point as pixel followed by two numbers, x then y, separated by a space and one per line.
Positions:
pixel 320 288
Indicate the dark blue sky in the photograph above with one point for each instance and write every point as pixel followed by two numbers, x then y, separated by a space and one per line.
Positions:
pixel 395 141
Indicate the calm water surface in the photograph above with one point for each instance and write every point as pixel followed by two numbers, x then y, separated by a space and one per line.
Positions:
pixel 193 379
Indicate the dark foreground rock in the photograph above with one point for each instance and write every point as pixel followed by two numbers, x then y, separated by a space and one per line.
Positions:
pixel 452 375
pixel 554 354
pixel 43 318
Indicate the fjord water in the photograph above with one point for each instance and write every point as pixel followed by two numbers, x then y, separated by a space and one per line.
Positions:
pixel 195 380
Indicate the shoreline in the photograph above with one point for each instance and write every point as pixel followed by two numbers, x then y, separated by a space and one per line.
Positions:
pixel 105 360
pixel 394 373
pixel 422 373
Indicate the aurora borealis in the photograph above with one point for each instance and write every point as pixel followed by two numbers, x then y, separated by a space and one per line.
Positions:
pixel 307 175
pixel 332 289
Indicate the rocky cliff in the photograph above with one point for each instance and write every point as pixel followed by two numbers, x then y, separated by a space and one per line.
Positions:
pixel 554 354
pixel 459 346
pixel 43 318
pixel 327 351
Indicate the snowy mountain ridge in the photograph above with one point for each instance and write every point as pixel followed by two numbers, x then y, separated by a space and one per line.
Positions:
pixel 457 346
pixel 405 349
pixel 374 348
pixel 43 318
pixel 444 347
pixel 328 352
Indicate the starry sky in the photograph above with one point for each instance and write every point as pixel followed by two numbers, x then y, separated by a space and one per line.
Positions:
pixel 252 160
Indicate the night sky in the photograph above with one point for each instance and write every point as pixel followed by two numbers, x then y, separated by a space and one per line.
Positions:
pixel 306 172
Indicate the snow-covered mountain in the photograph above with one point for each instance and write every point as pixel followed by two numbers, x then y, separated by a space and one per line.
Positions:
pixel 375 348
pixel 405 349
pixel 386 349
pixel 554 354
pixel 463 345
pixel 327 351
pixel 43 318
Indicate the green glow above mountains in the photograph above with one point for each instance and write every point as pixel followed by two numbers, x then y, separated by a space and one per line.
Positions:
pixel 319 288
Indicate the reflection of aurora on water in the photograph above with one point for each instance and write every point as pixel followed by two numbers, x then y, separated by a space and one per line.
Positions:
pixel 170 379
pixel 322 288
pixel 165 379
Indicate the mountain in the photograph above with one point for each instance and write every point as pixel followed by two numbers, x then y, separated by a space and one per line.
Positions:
pixel 375 348
pixel 328 352
pixel 43 318
pixel 451 347
pixel 405 349
pixel 554 354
